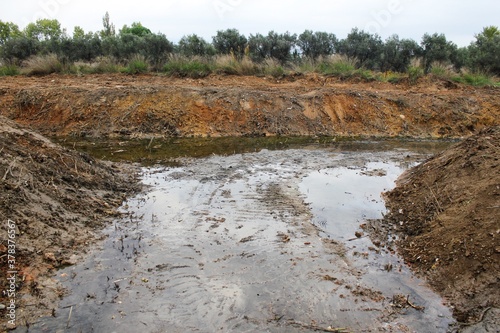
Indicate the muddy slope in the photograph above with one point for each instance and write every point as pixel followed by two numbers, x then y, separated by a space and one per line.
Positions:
pixel 448 210
pixel 101 105
pixel 56 198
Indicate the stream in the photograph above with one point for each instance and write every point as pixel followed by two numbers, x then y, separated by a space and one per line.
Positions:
pixel 262 239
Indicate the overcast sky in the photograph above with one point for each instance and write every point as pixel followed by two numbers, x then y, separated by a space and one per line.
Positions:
pixel 459 20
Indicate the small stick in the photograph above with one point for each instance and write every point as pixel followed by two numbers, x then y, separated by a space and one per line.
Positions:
pixel 416 307
pixel 69 317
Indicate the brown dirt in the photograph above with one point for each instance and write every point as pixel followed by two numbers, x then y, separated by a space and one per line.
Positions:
pixel 447 211
pixel 57 199
pixel 102 105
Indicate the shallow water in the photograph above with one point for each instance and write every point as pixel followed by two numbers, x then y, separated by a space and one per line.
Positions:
pixel 252 242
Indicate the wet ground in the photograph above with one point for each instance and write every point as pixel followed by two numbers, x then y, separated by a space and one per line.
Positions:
pixel 272 240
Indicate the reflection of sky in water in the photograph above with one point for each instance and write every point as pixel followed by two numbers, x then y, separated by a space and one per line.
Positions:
pixel 342 198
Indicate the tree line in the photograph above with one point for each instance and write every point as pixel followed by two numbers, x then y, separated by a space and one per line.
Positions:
pixel 366 50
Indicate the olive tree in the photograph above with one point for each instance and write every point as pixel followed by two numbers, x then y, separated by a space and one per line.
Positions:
pixel 229 41
pixel 316 44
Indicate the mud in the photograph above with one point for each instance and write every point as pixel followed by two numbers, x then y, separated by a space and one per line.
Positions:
pixel 57 202
pixel 446 211
pixel 264 241
pixel 154 105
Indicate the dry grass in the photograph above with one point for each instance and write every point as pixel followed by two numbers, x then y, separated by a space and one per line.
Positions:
pixel 42 65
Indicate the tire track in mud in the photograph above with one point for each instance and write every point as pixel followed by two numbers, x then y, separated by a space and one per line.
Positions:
pixel 228 245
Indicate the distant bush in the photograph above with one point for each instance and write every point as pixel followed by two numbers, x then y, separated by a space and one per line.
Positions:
pixel 230 64
pixel 42 65
pixel 273 67
pixel 415 73
pixel 475 79
pixel 337 65
pixel 9 70
pixel 441 70
pixel 195 67
pixel 137 65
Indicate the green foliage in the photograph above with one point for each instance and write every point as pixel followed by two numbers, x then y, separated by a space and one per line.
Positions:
pixel 360 54
pixel 485 51
pixel 415 73
pixel 136 29
pixel 187 67
pixel 104 65
pixel 192 45
pixel 397 54
pixel 475 79
pixel 316 44
pixel 364 47
pixel 340 66
pixel 441 70
pixel 273 67
pixel 8 30
pixel 156 48
pixel 43 30
pixel 274 45
pixel 15 50
pixel 435 48
pixel 9 70
pixel 229 41
pixel 108 27
pixel 137 65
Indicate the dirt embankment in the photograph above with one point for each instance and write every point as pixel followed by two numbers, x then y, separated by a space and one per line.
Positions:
pixel 447 210
pixel 102 105
pixel 54 199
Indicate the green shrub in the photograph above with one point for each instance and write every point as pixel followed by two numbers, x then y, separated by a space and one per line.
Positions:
pixel 42 65
pixel 389 76
pixel 415 73
pixel 272 67
pixel 8 70
pixel 185 67
pixel 441 70
pixel 137 65
pixel 474 79
pixel 338 66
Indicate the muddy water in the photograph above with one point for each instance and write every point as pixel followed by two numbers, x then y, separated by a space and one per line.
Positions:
pixel 271 241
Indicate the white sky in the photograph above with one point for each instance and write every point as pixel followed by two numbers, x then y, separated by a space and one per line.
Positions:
pixel 459 20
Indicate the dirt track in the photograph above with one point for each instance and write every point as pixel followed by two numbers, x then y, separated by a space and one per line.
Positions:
pixel 113 105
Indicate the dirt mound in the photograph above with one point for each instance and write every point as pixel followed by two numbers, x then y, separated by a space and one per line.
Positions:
pixel 448 210
pixel 51 201
pixel 149 105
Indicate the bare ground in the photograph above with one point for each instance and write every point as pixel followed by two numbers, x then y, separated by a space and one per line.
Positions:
pixel 58 200
pixel 447 212
pixel 446 209
pixel 114 105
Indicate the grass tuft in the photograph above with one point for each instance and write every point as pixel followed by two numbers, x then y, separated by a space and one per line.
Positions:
pixel 9 70
pixel 42 65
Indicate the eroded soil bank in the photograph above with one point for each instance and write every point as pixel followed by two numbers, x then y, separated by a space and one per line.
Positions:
pixel 114 105
pixel 57 200
pixel 447 211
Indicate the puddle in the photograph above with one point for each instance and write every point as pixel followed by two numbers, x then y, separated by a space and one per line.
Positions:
pixel 254 242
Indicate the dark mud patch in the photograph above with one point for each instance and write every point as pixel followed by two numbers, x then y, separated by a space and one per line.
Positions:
pixel 55 202
pixel 447 213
